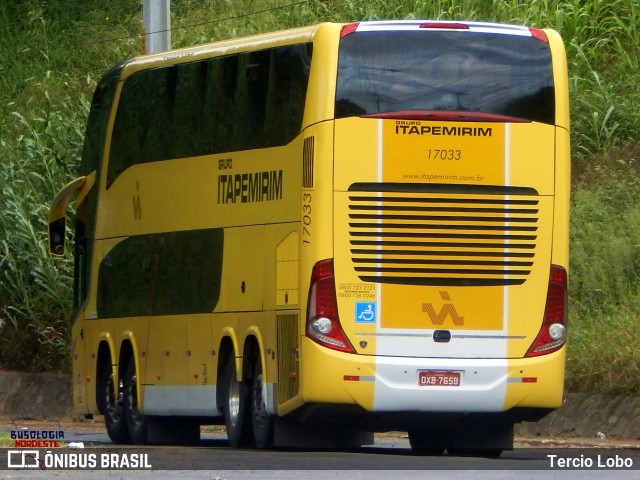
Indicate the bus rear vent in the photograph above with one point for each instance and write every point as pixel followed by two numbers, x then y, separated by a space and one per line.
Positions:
pixel 288 381
pixel 443 234
pixel 307 162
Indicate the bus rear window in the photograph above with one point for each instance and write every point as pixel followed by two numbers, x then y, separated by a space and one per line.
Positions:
pixel 382 72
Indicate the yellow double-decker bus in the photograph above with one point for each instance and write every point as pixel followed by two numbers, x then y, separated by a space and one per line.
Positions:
pixel 323 232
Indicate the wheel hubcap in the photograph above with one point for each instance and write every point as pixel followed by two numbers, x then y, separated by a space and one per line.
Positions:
pixel 133 401
pixel 234 400
pixel 259 412
pixel 111 401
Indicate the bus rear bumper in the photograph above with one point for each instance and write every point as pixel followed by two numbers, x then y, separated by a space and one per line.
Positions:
pixel 396 384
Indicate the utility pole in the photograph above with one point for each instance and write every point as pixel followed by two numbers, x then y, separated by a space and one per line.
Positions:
pixel 156 31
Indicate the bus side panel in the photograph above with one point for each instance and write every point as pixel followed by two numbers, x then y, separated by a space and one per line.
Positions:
pixel 174 329
pixel 317 237
pixel 560 253
pixel 322 78
pixel 81 389
pixel 561 81
pixel 242 285
pixel 282 372
pixel 200 366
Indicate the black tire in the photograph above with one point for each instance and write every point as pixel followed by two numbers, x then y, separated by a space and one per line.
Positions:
pixel 136 421
pixel 109 401
pixel 236 416
pixel 261 421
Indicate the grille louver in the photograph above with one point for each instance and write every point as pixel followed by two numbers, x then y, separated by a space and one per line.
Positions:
pixel 442 234
pixel 307 162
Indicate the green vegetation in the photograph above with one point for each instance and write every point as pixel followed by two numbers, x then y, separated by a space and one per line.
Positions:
pixel 605 281
pixel 52 52
pixel 5 439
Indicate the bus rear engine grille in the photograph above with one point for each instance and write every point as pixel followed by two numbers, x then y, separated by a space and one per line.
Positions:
pixel 435 237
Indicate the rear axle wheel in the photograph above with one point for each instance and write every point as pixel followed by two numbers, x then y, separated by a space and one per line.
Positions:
pixel 261 420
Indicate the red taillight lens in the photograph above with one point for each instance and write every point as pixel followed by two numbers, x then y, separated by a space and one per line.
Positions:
pixel 538 34
pixel 446 25
pixel 323 324
pixel 553 334
pixel 348 29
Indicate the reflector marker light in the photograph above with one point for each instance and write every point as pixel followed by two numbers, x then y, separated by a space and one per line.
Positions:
pixel 523 380
pixel 349 28
pixel 539 34
pixel 358 378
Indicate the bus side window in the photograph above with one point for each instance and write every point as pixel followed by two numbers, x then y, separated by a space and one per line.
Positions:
pixel 217 101
pixel 257 90
pixel 287 91
pixel 129 126
pixel 159 127
pixel 188 120
pixel 223 104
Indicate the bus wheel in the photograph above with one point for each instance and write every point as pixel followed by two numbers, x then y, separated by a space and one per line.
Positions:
pixel 235 407
pixel 261 421
pixel 136 421
pixel 110 404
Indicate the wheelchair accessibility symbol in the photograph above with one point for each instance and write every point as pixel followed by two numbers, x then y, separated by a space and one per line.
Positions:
pixel 365 312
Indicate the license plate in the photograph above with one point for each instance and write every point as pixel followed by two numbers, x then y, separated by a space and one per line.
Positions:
pixel 438 379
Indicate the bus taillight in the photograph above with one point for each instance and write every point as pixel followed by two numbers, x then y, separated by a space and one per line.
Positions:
pixel 445 25
pixel 323 324
pixel 553 333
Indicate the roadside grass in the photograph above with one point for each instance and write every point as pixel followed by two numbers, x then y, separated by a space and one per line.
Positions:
pixel 604 331
pixel 35 288
pixel 5 439
pixel 603 353
pixel 52 53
